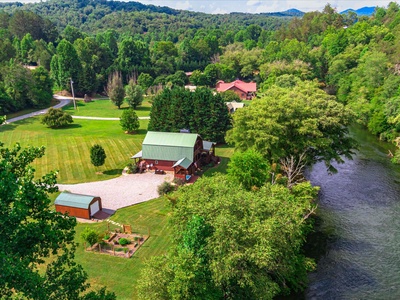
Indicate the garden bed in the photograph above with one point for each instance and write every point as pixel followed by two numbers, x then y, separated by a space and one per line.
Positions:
pixel 120 244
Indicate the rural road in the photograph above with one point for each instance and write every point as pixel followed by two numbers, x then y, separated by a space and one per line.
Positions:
pixel 63 102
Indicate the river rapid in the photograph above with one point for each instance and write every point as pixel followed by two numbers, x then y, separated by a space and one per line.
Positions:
pixel 360 212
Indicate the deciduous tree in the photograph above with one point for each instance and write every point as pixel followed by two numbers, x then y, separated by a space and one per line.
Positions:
pixel 291 121
pixel 32 232
pixel 129 121
pixel 232 243
pixel 133 94
pixel 249 169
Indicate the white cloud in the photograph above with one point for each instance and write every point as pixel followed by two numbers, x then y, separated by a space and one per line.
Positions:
pixel 183 5
pixel 219 10
pixel 253 2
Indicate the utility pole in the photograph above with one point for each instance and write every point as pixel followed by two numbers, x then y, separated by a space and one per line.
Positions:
pixel 73 94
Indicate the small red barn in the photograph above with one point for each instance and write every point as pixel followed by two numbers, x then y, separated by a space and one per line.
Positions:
pixel 77 205
pixel 245 90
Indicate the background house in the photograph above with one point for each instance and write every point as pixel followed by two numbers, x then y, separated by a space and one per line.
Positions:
pixel 182 153
pixel 245 90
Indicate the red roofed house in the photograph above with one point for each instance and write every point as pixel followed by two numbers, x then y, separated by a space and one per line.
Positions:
pixel 245 90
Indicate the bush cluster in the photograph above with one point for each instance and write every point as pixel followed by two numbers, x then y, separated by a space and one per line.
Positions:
pixel 165 188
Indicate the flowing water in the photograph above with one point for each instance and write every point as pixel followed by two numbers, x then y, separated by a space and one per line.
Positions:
pixel 360 211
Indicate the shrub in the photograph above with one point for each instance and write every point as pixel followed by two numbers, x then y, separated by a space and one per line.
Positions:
pixel 165 188
pixel 90 236
pixel 178 181
pixel 56 117
pixel 97 155
pixel 124 241
pixel 132 168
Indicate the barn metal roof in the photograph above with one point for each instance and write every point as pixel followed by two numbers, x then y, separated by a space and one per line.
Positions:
pixel 74 200
pixel 184 163
pixel 168 145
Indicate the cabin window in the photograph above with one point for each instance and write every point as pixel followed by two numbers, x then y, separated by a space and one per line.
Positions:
pixel 156 162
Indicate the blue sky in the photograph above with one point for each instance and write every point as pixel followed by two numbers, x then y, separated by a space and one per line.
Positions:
pixel 254 6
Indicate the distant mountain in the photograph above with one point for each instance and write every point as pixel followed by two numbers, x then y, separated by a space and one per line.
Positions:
pixel 287 13
pixel 364 11
pixel 294 12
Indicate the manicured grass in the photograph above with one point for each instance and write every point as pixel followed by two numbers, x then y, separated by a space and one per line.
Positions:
pixel 105 108
pixel 120 275
pixel 68 149
pixel 224 152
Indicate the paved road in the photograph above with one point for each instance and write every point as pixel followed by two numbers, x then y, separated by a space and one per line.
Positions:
pixel 63 102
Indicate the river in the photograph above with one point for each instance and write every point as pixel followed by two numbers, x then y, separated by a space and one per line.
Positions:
pixel 360 212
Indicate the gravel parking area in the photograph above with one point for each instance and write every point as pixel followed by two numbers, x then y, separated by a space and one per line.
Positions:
pixel 123 191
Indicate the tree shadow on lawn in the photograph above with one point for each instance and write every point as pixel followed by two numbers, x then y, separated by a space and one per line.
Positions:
pixel 70 126
pixel 13 125
pixel 143 108
pixel 113 172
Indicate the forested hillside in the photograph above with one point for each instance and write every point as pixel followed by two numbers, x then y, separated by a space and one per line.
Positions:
pixel 93 16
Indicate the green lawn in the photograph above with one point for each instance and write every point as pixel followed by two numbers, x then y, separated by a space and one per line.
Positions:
pixel 120 274
pixel 224 152
pixel 67 149
pixel 105 108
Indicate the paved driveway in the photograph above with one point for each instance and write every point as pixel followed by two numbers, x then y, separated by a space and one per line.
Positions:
pixel 123 191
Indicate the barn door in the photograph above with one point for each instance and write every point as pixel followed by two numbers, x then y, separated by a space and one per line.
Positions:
pixel 94 208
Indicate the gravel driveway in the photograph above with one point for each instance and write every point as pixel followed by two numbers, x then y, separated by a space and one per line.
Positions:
pixel 123 191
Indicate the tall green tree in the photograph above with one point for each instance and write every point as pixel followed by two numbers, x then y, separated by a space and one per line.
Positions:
pixel 200 111
pixel 129 121
pixel 65 65
pixel 32 232
pixel 133 94
pixel 249 169
pixel 292 121
pixel 131 54
pixel 145 81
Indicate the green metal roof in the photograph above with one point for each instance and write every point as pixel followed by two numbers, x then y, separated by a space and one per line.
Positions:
pixel 168 145
pixel 208 145
pixel 184 163
pixel 74 200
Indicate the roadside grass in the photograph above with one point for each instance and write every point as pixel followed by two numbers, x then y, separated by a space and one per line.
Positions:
pixel 104 108
pixel 68 149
